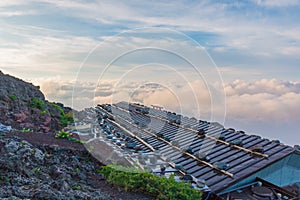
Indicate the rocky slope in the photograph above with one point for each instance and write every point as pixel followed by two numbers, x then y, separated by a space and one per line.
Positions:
pixel 58 169
pixel 45 173
pixel 23 105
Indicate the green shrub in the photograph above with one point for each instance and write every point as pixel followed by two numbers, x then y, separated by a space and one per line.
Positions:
pixel 66 135
pixel 87 159
pixel 76 140
pixel 4 179
pixel 91 148
pixel 43 112
pixel 37 169
pixel 63 134
pixel 12 97
pixel 37 103
pixel 28 130
pixel 76 187
pixel 64 118
pixel 69 117
pixel 143 181
pixel 57 108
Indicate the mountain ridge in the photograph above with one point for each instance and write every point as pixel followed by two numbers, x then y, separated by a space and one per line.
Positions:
pixel 24 106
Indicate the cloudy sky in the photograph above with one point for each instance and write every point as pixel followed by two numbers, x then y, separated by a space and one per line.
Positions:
pixel 236 62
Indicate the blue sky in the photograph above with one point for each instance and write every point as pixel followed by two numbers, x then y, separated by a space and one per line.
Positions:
pixel 239 35
pixel 255 45
pixel 261 35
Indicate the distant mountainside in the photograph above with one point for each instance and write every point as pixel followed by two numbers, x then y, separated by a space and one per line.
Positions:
pixel 23 106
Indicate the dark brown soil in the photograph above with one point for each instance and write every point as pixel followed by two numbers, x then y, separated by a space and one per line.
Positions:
pixel 47 139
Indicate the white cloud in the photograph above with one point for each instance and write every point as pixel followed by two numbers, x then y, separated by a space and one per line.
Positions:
pixel 56 88
pixel 14 3
pixel 55 55
pixel 264 107
pixel 291 51
pixel 263 100
pixel 232 30
pixel 260 100
pixel 277 3
pixel 267 86
pixel 16 13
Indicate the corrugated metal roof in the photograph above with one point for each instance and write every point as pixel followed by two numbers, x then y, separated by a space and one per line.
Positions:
pixel 229 155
